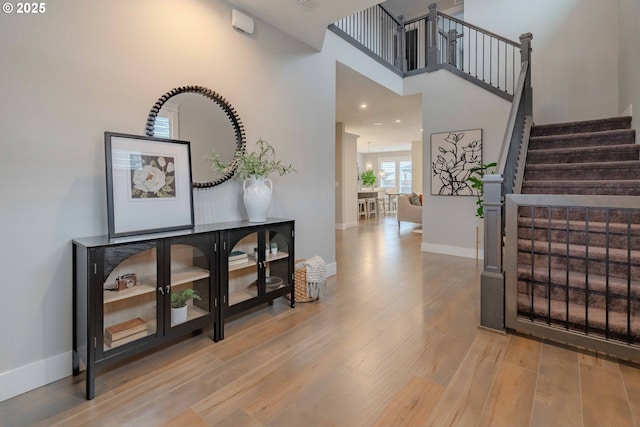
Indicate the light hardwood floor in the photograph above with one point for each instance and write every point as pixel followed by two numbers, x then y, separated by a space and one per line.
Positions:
pixel 394 342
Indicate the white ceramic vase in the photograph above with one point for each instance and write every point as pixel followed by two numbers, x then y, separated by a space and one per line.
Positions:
pixel 257 197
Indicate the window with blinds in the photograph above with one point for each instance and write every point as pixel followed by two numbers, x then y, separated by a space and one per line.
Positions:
pixel 162 127
pixel 397 174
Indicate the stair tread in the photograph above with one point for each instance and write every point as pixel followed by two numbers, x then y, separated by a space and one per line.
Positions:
pixel 561 224
pixel 616 133
pixel 585 165
pixel 597 316
pixel 578 251
pixel 607 148
pixel 581 182
pixel 577 280
pixel 615 122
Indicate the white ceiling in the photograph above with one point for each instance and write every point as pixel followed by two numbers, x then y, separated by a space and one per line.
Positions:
pixel 383 106
pixel 307 21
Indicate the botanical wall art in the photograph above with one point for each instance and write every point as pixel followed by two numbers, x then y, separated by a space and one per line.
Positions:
pixel 148 184
pixel 152 176
pixel 454 155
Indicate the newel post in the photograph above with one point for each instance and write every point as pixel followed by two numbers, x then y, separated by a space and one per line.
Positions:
pixel 492 277
pixel 452 54
pixel 525 55
pixel 401 50
pixel 432 37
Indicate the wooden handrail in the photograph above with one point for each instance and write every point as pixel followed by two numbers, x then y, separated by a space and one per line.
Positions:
pixel 513 115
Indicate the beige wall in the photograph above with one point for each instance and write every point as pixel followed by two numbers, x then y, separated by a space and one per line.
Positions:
pixel 84 68
pixel 575 52
pixel 629 38
pixel 346 182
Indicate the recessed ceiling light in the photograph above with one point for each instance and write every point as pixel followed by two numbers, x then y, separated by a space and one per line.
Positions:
pixel 377 124
pixel 363 105
pixel 398 120
pixel 420 129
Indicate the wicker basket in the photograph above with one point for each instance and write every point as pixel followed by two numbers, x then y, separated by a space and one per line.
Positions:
pixel 300 284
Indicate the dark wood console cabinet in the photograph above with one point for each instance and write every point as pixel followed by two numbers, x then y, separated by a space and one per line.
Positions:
pixel 122 287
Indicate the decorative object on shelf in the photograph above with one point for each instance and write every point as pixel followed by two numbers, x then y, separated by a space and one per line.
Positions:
pixel 237 258
pixel 368 178
pixel 127 281
pixel 273 282
pixel 179 304
pixel 148 184
pixel 253 168
pixel 229 129
pixel 274 248
pixel 454 155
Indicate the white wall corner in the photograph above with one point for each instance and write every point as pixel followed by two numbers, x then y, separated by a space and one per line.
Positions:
pixel 628 111
pixel 332 269
pixel 34 375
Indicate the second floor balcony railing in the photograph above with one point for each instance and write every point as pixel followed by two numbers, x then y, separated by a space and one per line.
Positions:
pixel 432 42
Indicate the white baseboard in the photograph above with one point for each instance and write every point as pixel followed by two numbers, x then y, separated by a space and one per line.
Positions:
pixel 29 377
pixel 332 269
pixel 346 225
pixel 451 250
pixel 34 375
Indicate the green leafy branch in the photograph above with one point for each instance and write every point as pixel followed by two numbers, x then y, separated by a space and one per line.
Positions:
pixel 256 163
pixel 476 183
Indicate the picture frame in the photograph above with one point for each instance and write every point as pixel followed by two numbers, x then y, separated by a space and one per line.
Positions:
pixel 149 184
pixel 454 154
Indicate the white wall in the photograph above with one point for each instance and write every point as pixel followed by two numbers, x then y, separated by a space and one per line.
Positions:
pixel 451 103
pixel 417 167
pixel 346 179
pixel 630 60
pixel 83 68
pixel 575 52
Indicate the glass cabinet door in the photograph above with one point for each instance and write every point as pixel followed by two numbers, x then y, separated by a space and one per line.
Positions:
pixel 129 293
pixel 190 278
pixel 243 257
pixel 277 273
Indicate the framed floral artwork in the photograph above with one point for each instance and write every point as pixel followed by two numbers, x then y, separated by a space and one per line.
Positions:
pixel 148 184
pixel 453 157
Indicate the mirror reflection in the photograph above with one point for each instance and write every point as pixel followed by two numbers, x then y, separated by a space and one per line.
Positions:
pixel 192 117
pixel 205 119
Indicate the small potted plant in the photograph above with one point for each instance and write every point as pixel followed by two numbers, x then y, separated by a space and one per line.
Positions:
pixel 274 248
pixel 179 302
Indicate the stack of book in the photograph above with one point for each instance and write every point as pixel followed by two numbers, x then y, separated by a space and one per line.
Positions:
pixel 237 257
pixel 125 332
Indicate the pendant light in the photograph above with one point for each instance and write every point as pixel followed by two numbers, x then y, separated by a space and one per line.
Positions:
pixel 369 165
pixel 381 172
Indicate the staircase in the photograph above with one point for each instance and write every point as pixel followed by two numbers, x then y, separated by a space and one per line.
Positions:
pixel 578 268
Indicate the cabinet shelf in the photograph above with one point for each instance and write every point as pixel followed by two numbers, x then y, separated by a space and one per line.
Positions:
pixel 193 312
pixel 148 286
pixel 187 275
pixel 243 295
